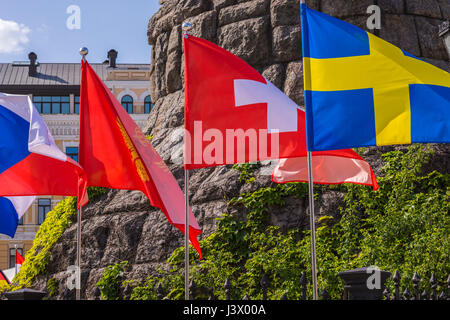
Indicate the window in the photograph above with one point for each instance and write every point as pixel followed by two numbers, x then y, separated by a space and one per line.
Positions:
pixel 77 104
pixel 44 206
pixel 72 152
pixel 52 104
pixel 127 103
pixel 148 105
pixel 12 256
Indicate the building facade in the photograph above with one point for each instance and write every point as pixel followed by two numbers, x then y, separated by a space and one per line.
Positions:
pixel 55 91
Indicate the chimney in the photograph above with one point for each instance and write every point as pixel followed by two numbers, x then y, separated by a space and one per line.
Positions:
pixel 32 70
pixel 112 56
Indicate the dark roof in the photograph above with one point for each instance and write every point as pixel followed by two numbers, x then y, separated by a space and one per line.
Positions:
pixel 55 74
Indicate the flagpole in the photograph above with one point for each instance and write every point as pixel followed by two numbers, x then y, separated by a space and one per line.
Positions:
pixel 312 223
pixel 186 233
pixel 83 51
pixel 186 28
pixel 78 275
pixel 15 259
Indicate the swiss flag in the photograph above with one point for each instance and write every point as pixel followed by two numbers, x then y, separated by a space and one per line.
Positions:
pixel 229 105
pixel 223 94
pixel 116 154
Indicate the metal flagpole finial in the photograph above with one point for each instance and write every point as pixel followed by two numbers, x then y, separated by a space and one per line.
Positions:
pixel 84 51
pixel 187 27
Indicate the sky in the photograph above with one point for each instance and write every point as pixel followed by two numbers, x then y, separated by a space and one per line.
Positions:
pixel 56 29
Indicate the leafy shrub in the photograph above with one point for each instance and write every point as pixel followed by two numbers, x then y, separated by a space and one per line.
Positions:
pixel 52 287
pixel 111 281
pixel 37 258
pixel 95 192
pixel 405 226
pixel 4 287
pixel 63 215
pixel 246 171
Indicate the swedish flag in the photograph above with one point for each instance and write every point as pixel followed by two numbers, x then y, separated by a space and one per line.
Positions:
pixel 363 91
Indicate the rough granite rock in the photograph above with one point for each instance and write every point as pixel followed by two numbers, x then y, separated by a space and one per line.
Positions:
pixel 255 8
pixel 248 39
pixel 392 6
pixel 121 225
pixel 430 44
pixel 406 37
pixel 345 8
pixel 293 86
pixel 285 12
pixel 428 8
pixel 286 37
pixel 275 74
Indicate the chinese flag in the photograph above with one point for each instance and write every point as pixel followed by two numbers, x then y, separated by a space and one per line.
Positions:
pixel 116 154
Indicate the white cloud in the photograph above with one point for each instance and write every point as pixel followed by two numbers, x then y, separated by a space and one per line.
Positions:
pixel 13 36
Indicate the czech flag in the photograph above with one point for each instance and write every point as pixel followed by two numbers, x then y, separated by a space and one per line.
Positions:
pixel 30 162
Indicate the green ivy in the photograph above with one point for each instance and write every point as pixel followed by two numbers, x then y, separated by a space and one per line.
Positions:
pixel 95 192
pixel 246 171
pixel 52 287
pixel 37 258
pixel 111 281
pixel 230 251
pixel 63 215
pixel 405 226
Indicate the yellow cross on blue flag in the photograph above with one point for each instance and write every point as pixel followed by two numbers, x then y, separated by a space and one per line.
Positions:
pixel 363 91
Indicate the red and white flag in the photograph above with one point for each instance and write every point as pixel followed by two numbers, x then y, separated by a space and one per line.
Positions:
pixel 233 115
pixel 348 167
pixel 19 259
pixel 116 154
